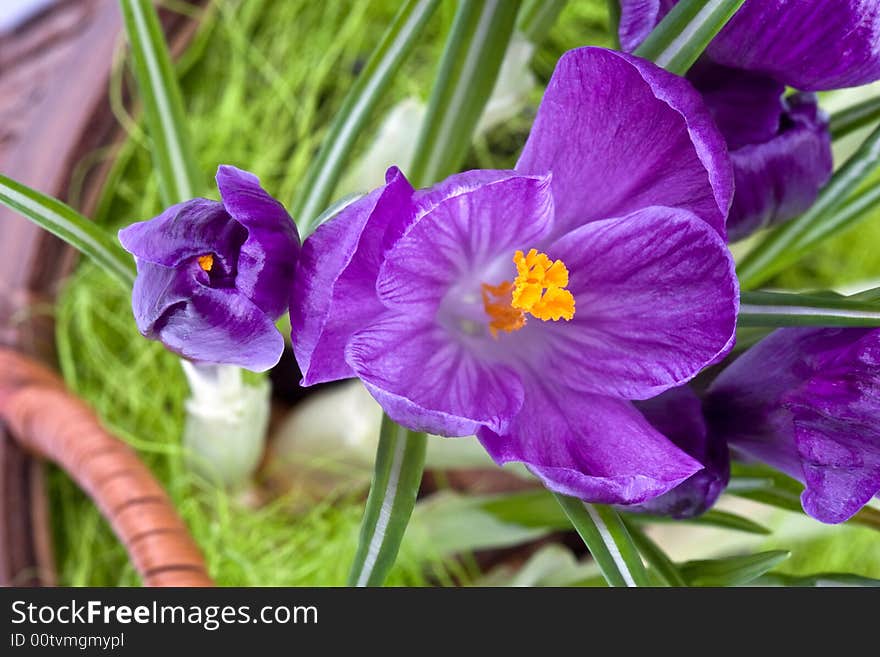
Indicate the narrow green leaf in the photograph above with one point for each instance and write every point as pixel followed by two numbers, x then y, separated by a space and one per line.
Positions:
pixel 336 207
pixel 468 70
pixel 731 571
pixel 711 518
pixel 535 508
pixel 788 243
pixel 371 85
pixel 65 222
pixel 816 580
pixel 614 22
pixel 163 104
pixel 656 557
pixel 537 17
pixel 400 460
pixel 682 36
pixel 790 309
pixel 854 117
pixel 450 523
pixel 608 540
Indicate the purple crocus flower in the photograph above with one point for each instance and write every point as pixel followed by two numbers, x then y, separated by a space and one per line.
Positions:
pixel 214 276
pixel 530 306
pixel 807 401
pixel 809 45
pixel 780 147
pixel 678 415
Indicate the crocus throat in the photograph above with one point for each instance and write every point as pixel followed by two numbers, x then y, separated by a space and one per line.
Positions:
pixel 538 290
pixel 206 261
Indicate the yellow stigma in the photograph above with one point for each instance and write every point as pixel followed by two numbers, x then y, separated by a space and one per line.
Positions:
pixel 538 289
pixel 206 261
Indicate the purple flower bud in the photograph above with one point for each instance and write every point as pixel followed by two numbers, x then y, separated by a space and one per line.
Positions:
pixel 214 276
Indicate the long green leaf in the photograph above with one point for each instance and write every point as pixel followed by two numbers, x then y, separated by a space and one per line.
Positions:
pixel 656 557
pixel 731 571
pixel 368 89
pixel 538 508
pixel 789 309
pixel 682 36
pixel 400 460
pixel 608 541
pixel 854 117
pixel 534 508
pixel 711 518
pixel 468 70
pixel 65 222
pixel 614 22
pixel 792 240
pixel 816 580
pixel 537 17
pixel 163 104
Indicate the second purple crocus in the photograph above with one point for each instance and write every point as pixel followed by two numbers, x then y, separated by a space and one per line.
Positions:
pixel 780 145
pixel 807 401
pixel 531 306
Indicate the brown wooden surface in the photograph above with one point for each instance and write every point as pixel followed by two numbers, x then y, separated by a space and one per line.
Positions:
pixel 128 495
pixel 54 73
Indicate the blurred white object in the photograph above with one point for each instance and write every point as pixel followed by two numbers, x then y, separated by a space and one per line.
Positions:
pixel 328 444
pixel 512 88
pixel 14 12
pixel 395 141
pixel 226 420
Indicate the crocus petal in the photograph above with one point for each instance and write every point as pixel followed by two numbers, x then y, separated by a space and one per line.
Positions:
pixel 806 401
pixel 589 446
pixel 183 232
pixel 656 302
pixel 427 380
pixel 334 291
pixel 807 45
pixel 268 257
pixel 618 134
pixel 204 324
pixel 462 228
pixel 678 415
pixel 638 18
pixel 780 178
pixel 746 106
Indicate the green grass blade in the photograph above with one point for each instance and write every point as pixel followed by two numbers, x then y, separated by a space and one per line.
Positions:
pixel 468 70
pixel 789 309
pixel 817 580
pixel 537 508
pixel 854 117
pixel 731 571
pixel 400 460
pixel 537 17
pixel 370 87
pixel 65 222
pixel 656 557
pixel 681 37
pixel 711 518
pixel 614 22
pixel 163 103
pixel 608 540
pixel 792 240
